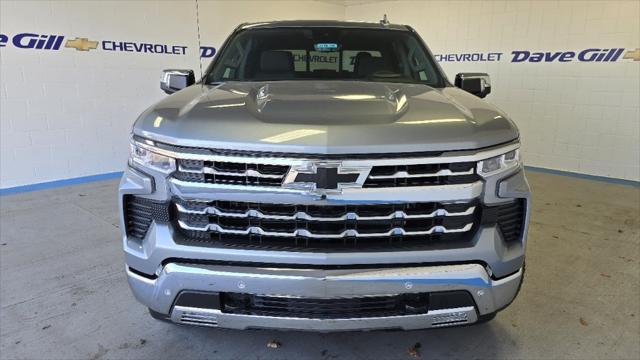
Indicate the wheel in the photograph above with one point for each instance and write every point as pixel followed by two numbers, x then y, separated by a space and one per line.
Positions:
pixel 160 316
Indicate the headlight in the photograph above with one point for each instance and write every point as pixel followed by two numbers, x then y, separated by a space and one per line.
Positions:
pixel 144 158
pixel 499 163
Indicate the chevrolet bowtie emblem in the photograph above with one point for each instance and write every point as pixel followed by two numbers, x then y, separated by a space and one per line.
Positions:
pixel 633 54
pixel 81 44
pixel 323 178
pixel 327 178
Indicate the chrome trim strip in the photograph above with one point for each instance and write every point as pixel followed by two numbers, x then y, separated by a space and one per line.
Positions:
pixel 467 156
pixel 301 215
pixel 256 230
pixel 249 172
pixel 217 318
pixel 196 316
pixel 404 174
pixel 204 191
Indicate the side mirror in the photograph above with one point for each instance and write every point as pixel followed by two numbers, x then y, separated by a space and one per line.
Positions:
pixel 173 80
pixel 479 84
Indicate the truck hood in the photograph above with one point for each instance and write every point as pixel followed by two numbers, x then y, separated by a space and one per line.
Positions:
pixel 325 117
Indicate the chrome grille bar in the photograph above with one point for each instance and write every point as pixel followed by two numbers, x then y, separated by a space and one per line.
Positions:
pixel 249 172
pixel 256 230
pixel 301 215
pixel 404 174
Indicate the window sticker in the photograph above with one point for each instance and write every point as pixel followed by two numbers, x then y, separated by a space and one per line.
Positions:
pixel 330 47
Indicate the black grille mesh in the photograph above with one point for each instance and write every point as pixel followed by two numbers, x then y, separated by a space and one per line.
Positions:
pixel 337 308
pixel 371 306
pixel 510 218
pixel 231 172
pixel 426 180
pixel 140 212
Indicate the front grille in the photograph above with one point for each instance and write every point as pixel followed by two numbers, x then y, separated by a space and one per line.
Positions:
pixel 140 212
pixel 422 175
pixel 343 308
pixel 370 306
pixel 385 227
pixel 250 172
pixel 230 173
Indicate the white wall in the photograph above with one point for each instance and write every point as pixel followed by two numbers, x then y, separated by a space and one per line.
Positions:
pixel 67 113
pixel 580 117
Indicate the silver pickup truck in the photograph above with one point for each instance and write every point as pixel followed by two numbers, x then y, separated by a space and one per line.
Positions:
pixel 324 176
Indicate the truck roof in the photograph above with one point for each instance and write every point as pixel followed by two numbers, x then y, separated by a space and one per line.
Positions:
pixel 322 23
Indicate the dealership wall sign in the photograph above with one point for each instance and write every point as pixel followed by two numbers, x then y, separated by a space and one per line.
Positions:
pixel 520 56
pixel 54 42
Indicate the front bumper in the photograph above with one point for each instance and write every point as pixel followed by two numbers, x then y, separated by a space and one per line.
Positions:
pixel 160 293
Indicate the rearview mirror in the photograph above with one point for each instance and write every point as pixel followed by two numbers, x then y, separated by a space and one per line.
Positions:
pixel 479 84
pixel 173 80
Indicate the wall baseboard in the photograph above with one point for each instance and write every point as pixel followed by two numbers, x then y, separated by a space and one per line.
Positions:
pixel 583 176
pixel 117 174
pixel 59 183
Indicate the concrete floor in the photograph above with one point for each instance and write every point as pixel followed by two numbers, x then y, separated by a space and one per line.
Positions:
pixel 63 292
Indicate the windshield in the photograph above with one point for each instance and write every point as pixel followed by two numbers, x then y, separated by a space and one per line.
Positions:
pixel 325 53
